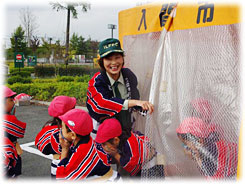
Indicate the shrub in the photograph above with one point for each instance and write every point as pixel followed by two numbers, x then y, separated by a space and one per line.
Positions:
pixel 46 80
pixel 47 91
pixel 26 69
pixel 21 73
pixel 44 71
pixel 84 78
pixel 19 79
pixel 51 71
pixel 65 79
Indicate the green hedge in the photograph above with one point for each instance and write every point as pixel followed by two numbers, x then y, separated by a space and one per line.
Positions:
pixel 84 78
pixel 47 91
pixel 25 69
pixel 44 71
pixel 21 73
pixel 51 71
pixel 19 79
pixel 65 79
pixel 46 80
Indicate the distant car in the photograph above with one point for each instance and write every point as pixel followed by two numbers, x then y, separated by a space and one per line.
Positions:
pixel 88 61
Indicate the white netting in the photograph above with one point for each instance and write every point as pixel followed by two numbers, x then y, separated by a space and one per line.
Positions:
pixel 191 76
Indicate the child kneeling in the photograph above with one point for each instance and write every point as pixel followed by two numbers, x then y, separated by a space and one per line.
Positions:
pixel 80 158
pixel 130 150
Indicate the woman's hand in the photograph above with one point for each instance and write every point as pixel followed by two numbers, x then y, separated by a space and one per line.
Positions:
pixel 146 106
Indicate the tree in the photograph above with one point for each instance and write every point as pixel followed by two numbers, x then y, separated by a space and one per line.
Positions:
pixel 18 43
pixel 29 22
pixel 74 43
pixel 78 44
pixel 71 8
pixel 58 50
pixel 34 44
pixel 94 47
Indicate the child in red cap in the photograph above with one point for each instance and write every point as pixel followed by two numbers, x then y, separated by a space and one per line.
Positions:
pixel 126 147
pixel 80 159
pixel 200 108
pixel 215 157
pixel 13 130
pixel 47 140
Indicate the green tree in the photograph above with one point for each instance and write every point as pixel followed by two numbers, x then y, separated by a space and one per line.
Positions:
pixel 47 48
pixel 94 47
pixel 74 43
pixel 34 43
pixel 58 50
pixel 71 8
pixel 18 43
pixel 80 46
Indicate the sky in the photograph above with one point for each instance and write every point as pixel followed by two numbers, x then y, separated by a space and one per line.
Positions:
pixel 52 24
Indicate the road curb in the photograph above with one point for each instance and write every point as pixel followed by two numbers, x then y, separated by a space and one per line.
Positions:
pixel 48 103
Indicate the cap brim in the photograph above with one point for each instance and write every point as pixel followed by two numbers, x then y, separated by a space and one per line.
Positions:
pixel 74 101
pixel 100 141
pixel 62 117
pixel 111 51
pixel 12 94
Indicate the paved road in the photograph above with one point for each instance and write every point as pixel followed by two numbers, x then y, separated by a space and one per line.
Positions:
pixel 33 165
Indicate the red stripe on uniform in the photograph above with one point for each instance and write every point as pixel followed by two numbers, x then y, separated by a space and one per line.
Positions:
pixel 222 151
pixel 83 166
pixel 99 111
pixel 99 99
pixel 10 153
pixel 91 167
pixel 232 164
pixel 13 132
pixel 133 165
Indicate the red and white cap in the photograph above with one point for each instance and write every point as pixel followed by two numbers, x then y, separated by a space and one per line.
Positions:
pixel 195 126
pixel 60 105
pixel 8 92
pixel 22 96
pixel 203 107
pixel 109 129
pixel 79 121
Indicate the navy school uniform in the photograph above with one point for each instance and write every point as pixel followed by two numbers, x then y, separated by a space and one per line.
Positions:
pixel 12 161
pixel 85 161
pixel 221 160
pixel 101 102
pixel 13 129
pixel 47 141
pixel 132 154
pixel 136 152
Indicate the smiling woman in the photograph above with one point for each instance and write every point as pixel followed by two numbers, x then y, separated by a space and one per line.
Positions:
pixel 113 92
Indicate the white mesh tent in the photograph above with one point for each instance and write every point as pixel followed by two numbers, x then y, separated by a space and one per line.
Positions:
pixel 187 61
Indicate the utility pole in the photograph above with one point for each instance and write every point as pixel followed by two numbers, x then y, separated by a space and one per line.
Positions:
pixel 67 37
pixel 50 39
pixel 112 26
